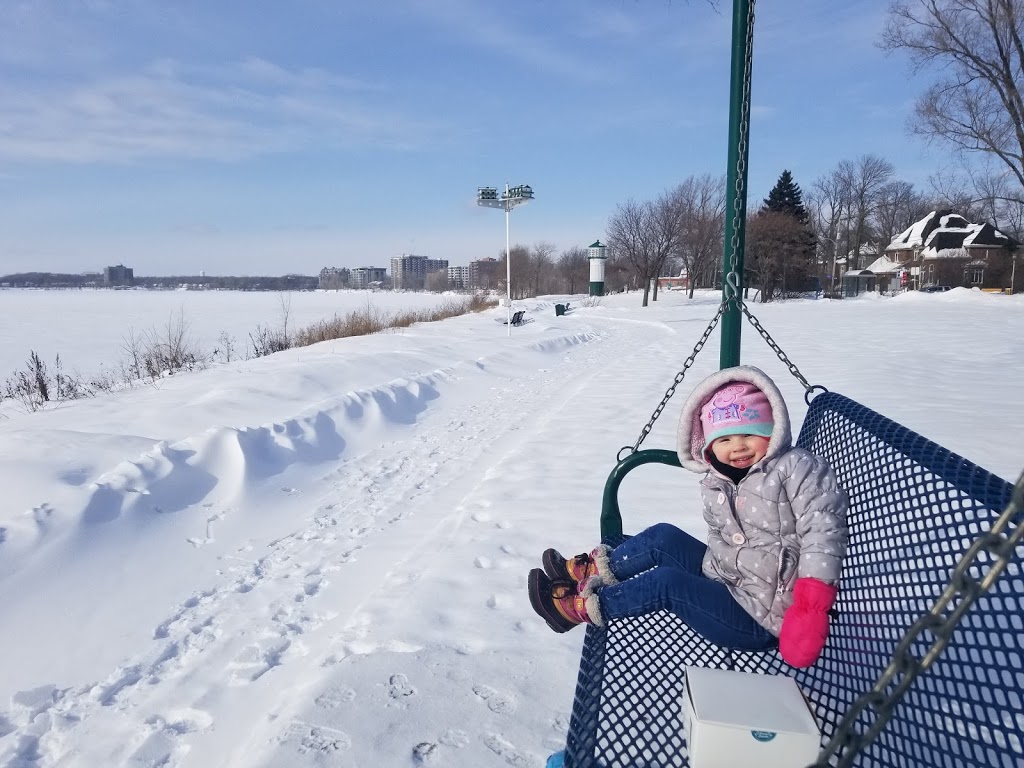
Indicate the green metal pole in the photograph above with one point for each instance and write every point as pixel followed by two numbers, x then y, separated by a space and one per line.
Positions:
pixel 736 184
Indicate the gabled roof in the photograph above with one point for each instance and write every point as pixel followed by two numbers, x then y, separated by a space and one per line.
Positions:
pixel 866 249
pixel 881 265
pixel 945 230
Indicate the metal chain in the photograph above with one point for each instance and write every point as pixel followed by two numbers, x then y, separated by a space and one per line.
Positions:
pixel 777 349
pixel 675 382
pixel 732 280
pixel 887 692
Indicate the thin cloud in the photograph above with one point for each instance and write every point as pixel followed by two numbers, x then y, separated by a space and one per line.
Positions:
pixel 261 70
pixel 609 25
pixel 485 29
pixel 249 108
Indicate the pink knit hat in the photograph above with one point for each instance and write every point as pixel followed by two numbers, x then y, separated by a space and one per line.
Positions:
pixel 738 408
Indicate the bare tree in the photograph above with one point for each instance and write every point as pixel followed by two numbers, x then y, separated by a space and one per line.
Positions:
pixel 977 105
pixel 701 209
pixel 628 236
pixel 898 206
pixel 619 274
pixel 285 301
pixel 645 234
pixel 827 210
pixel 996 203
pixel 542 269
pixel 573 268
pixel 520 271
pixel 864 179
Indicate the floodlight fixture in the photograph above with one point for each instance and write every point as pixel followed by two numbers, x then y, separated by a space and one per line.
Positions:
pixel 488 197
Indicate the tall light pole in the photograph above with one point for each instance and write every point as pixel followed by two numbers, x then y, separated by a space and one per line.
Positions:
pixel 512 196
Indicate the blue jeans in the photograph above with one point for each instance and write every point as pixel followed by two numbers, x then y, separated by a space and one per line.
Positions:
pixel 660 569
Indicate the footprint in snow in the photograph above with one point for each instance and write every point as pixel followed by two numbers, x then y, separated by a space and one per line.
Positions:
pixel 254 661
pixel 506 751
pixel 425 753
pixel 399 687
pixel 126 677
pixel 333 698
pixel 498 702
pixel 430 753
pixel 454 737
pixel 182 721
pixel 310 588
pixel 316 740
pixel 160 749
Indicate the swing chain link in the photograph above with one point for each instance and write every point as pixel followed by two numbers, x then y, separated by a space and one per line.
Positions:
pixel 809 389
pixel 903 670
pixel 777 349
pixel 731 281
pixel 675 382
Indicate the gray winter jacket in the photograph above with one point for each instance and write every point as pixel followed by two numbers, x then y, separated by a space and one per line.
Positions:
pixel 784 521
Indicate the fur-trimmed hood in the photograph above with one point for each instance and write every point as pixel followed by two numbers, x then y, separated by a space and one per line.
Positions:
pixel 691 444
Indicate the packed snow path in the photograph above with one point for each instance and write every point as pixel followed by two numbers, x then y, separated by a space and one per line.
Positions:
pixel 360 611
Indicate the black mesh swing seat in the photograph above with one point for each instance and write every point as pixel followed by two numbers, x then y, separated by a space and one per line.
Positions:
pixel 915 509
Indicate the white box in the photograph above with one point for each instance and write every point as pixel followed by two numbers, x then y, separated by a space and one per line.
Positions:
pixel 738 719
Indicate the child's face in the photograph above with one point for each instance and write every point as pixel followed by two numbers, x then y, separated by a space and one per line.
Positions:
pixel 740 450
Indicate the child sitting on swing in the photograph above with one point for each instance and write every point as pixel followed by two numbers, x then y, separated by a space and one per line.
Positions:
pixel 776 536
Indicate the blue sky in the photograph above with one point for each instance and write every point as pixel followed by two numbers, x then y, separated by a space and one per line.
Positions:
pixel 263 138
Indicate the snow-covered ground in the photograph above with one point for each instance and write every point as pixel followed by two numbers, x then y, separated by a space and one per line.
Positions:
pixel 88 328
pixel 320 557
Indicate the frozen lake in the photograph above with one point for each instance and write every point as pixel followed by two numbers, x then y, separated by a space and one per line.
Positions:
pixel 87 328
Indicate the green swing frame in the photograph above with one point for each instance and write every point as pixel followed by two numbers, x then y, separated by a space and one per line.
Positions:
pixel 621 716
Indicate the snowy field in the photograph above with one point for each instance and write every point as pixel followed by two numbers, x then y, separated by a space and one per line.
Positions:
pixel 87 328
pixel 320 557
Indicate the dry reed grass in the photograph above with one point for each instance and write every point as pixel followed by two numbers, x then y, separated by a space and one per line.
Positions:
pixel 362 322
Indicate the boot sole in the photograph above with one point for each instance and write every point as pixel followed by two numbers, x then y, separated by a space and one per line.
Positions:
pixel 554 564
pixel 540 586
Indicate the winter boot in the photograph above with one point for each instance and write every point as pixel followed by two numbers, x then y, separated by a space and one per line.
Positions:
pixel 579 568
pixel 560 604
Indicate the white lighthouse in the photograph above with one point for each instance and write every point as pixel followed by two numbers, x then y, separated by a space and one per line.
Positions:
pixel 597 254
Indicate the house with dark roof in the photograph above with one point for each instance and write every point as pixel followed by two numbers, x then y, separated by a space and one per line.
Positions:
pixel 944 248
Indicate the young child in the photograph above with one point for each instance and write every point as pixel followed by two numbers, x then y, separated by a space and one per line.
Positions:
pixel 776 536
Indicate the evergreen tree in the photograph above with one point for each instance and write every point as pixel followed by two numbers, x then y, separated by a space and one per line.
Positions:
pixel 786 197
pixel 782 245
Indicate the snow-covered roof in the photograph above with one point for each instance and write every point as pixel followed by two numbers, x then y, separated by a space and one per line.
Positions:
pixel 945 253
pixel 866 249
pixel 882 265
pixel 941 230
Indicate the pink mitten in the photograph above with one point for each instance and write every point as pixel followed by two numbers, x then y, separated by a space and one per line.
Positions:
pixel 805 625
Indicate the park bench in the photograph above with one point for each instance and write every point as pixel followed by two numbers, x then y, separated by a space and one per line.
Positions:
pixel 517 318
pixel 915 509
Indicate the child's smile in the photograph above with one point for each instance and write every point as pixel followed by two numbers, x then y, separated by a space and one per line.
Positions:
pixel 740 451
